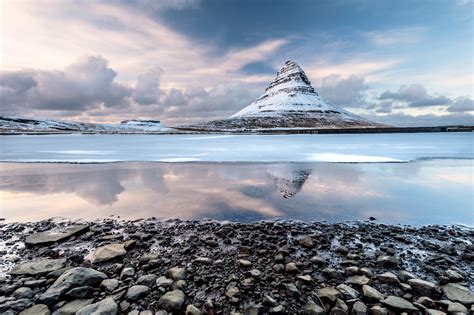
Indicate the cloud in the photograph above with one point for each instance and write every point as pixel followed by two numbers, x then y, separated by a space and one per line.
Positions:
pixel 147 89
pixel 88 82
pixel 402 119
pixel 347 92
pixel 462 104
pixel 398 36
pixel 415 95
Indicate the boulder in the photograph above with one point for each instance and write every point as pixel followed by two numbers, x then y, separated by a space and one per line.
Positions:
pixel 172 301
pixel 71 308
pixel 399 304
pixel 38 309
pixel 54 235
pixel 106 252
pixel 177 273
pixel 38 267
pixel 105 307
pixel 458 293
pixel 137 291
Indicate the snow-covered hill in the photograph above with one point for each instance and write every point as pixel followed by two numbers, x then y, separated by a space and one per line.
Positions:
pixel 290 102
pixel 12 125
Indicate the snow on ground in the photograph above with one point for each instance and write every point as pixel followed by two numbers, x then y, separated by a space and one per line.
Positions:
pixel 351 148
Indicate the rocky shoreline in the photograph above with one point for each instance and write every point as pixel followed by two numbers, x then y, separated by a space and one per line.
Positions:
pixel 206 267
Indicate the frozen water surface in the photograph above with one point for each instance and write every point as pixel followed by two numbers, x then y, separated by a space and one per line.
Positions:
pixel 350 148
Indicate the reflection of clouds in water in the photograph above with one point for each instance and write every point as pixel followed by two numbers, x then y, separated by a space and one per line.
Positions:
pixel 99 187
pixel 236 191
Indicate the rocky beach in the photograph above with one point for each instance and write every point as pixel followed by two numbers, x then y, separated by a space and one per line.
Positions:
pixel 150 266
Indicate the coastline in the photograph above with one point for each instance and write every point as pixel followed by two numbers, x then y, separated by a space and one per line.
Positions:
pixel 213 267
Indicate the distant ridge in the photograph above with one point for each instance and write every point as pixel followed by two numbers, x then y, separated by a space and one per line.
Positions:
pixel 289 102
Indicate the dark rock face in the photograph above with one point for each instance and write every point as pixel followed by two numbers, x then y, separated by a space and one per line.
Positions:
pixel 289 102
pixel 207 267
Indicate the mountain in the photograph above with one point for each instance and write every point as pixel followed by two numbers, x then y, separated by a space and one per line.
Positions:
pixel 289 102
pixel 19 125
pixel 287 180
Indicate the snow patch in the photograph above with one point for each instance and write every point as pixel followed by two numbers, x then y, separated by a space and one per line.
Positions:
pixel 349 158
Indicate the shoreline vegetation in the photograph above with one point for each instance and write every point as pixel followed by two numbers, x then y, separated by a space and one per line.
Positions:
pixel 176 266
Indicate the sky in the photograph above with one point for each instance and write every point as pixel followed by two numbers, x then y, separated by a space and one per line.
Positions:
pixel 404 63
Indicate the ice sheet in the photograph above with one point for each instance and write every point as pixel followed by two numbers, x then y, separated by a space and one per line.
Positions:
pixel 353 148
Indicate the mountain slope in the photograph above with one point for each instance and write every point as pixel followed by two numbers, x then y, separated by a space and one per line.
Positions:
pixel 290 102
pixel 8 125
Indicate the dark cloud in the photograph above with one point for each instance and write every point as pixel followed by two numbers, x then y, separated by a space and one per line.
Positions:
pixel 415 95
pixel 147 89
pixel 462 104
pixel 344 92
pixel 85 84
pixel 383 107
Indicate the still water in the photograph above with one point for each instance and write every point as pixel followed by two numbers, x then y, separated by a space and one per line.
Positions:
pixel 417 193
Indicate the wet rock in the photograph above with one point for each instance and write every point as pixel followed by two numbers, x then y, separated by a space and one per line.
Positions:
pixel 55 235
pixel 78 293
pixel 358 280
pixel 106 253
pixel 426 301
pixel 398 304
pixel 127 272
pixel 312 309
pixel 38 309
pixel 388 277
pixel 105 307
pixel 405 275
pixel 110 284
pixel 192 310
pixel 71 308
pixel 163 282
pixel 457 308
pixel 177 273
pixel 304 278
pixel 148 280
pixel 359 308
pixel 232 292
pixel 328 294
pixel 203 260
pixel 137 291
pixel 292 290
pixel 291 268
pixel 244 263
pixel 255 273
pixel 38 267
pixel 378 310
pixel 458 293
pixel 73 278
pixel 422 286
pixel 371 294
pixel 453 276
pixel 172 301
pixel 23 293
pixel 269 301
pixel 347 291
pixel 277 310
pixel 15 305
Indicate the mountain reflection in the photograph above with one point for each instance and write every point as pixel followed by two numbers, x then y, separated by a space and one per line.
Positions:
pixel 242 192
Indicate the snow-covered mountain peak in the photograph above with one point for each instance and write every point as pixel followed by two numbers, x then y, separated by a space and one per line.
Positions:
pixel 291 75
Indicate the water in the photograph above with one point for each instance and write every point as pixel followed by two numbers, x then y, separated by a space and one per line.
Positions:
pixel 237 148
pixel 418 193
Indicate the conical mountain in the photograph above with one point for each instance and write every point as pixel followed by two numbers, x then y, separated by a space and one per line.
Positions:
pixel 290 102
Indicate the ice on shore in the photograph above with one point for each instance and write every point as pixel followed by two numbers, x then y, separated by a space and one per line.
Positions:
pixel 344 148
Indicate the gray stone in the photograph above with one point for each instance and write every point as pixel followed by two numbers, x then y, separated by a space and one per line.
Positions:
pixel 378 310
pixel 304 278
pixel 232 292
pixel 405 275
pixel 277 310
pixel 292 268
pixel 137 291
pixel 163 282
pixel 453 276
pixel 458 293
pixel 430 311
pixel 244 263
pixel 127 272
pixel 70 308
pixel 255 273
pixel 78 293
pixel 292 290
pixel 55 235
pixel 106 252
pixel 23 293
pixel 177 273
pixel 347 291
pixel 192 310
pixel 202 260
pixel 73 278
pixel 105 307
pixel 148 280
pixel 38 267
pixel 371 294
pixel 15 305
pixel 359 308
pixel 172 301
pixel 312 309
pixel 398 304
pixel 422 286
pixel 110 284
pixel 388 277
pixel 456 307
pixel 328 294
pixel 38 309
pixel 179 285
pixel 358 280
